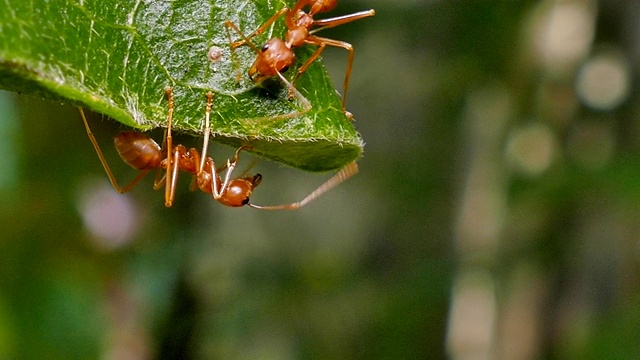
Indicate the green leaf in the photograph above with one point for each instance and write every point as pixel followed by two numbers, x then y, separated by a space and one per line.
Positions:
pixel 116 57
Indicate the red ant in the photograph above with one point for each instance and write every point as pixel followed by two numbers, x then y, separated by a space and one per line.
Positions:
pixel 276 56
pixel 144 154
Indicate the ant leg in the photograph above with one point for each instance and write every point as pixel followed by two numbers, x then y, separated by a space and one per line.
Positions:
pixel 215 180
pixel 342 175
pixel 196 160
pixel 105 165
pixel 172 164
pixel 228 24
pixel 322 42
pixel 159 181
pixel 329 23
pixel 159 178
pixel 172 179
pixel 134 182
pixel 340 20
pixel 247 39
pixel 231 164
pixel 207 131
pixel 310 60
pixel 94 142
pixel 200 161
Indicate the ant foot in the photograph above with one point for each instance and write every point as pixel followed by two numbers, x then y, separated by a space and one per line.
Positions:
pixel 237 44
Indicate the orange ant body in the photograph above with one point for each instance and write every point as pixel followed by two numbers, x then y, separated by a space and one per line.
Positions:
pixel 144 154
pixel 276 56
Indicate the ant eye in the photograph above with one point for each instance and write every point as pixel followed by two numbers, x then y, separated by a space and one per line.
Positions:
pixel 265 48
pixel 284 69
pixel 245 201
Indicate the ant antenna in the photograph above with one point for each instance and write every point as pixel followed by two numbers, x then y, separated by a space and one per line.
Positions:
pixel 342 175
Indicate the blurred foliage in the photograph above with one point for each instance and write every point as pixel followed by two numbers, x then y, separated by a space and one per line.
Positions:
pixel 497 173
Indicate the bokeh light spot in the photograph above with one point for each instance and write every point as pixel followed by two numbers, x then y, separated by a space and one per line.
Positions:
pixel 604 81
pixel 531 149
pixel 112 218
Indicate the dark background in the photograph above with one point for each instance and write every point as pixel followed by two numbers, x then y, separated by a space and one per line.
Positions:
pixel 496 214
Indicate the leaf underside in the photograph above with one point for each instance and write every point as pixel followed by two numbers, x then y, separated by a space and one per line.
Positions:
pixel 117 57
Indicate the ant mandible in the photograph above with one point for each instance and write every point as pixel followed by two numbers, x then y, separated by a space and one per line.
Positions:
pixel 276 56
pixel 144 154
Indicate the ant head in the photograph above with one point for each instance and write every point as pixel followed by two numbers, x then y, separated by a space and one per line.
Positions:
pixel 238 191
pixel 274 57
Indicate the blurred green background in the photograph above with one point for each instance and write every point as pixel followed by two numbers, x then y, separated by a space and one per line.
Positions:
pixel 496 214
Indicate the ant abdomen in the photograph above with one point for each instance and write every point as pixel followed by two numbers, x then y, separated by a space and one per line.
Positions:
pixel 138 150
pixel 321 6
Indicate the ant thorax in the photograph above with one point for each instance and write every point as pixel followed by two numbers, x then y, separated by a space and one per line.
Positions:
pixel 297 36
pixel 302 19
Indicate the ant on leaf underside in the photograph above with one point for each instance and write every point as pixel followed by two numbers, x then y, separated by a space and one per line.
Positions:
pixel 144 154
pixel 276 56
